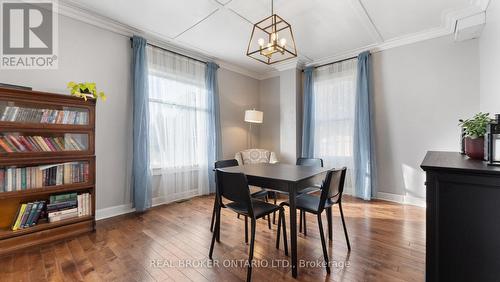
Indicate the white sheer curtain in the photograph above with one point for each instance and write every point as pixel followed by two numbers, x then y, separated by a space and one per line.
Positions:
pixel 334 95
pixel 179 119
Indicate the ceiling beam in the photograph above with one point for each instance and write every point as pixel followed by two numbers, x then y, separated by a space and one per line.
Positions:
pixel 366 20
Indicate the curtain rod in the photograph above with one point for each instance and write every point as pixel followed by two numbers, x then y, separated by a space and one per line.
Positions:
pixel 336 62
pixel 164 49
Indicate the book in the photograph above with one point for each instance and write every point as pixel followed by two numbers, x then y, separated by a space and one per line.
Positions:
pixel 4 145
pixel 62 212
pixel 31 215
pixel 80 204
pixel 25 215
pixel 38 213
pixel 19 216
pixel 60 206
pixel 85 204
pixel 63 217
pixel 63 197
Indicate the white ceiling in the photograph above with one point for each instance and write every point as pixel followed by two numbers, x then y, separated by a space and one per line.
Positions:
pixel 323 28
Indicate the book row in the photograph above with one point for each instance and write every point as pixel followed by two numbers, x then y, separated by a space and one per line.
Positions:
pixel 14 144
pixel 18 114
pixel 59 207
pixel 23 178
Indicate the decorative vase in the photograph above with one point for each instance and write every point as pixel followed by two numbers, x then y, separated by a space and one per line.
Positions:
pixel 474 148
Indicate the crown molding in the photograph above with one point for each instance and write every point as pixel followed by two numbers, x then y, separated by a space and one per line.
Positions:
pixel 238 69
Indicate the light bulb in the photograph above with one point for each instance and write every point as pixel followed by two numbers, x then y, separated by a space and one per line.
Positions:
pixel 283 42
pixel 273 36
pixel 261 42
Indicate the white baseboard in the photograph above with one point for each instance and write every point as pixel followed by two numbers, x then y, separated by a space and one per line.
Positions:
pixel 414 201
pixel 127 208
pixel 391 197
pixel 401 199
pixel 114 211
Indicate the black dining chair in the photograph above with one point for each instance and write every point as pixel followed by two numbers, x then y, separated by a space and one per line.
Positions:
pixel 313 162
pixel 234 187
pixel 262 194
pixel 331 194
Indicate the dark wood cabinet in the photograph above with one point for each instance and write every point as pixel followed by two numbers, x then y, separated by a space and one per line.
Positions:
pixel 463 218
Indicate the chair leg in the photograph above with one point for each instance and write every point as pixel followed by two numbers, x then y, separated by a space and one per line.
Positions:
pixel 246 229
pixel 269 221
pixel 300 221
pixel 304 219
pixel 217 222
pixel 250 255
pixel 345 228
pixel 274 213
pixel 329 220
pixel 279 231
pixel 215 233
pixel 285 242
pixel 323 243
pixel 213 216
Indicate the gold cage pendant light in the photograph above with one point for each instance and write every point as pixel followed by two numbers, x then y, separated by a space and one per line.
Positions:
pixel 272 40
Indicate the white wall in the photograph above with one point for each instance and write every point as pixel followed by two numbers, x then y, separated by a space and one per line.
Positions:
pixel 269 102
pixel 490 60
pixel 91 54
pixel 420 92
pixel 237 93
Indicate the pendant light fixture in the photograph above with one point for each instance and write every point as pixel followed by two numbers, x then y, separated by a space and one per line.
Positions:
pixel 272 40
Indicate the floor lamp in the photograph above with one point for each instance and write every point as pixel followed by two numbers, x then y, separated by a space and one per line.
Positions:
pixel 252 116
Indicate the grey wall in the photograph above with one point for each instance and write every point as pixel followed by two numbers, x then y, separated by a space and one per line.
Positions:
pixel 421 90
pixel 490 60
pixel 237 94
pixel 269 102
pixel 105 59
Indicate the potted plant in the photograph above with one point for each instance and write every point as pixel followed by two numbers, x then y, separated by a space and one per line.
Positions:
pixel 475 129
pixel 85 90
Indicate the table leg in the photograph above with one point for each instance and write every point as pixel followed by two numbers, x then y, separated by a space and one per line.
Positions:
pixel 293 228
pixel 217 220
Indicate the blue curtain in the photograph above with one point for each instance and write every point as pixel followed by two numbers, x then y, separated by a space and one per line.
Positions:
pixel 140 170
pixel 363 131
pixel 214 128
pixel 308 115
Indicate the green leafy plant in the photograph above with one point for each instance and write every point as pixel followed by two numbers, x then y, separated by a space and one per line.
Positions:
pixel 85 89
pixel 475 127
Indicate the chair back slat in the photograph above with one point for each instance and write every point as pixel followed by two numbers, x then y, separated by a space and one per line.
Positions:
pixel 226 163
pixel 314 162
pixel 333 186
pixel 234 187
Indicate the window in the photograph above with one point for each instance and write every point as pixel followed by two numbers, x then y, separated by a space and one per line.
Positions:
pixel 179 118
pixel 334 103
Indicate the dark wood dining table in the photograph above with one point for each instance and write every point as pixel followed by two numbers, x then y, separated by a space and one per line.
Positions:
pixel 285 178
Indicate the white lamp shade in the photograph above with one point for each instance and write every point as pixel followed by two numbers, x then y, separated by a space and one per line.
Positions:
pixel 254 116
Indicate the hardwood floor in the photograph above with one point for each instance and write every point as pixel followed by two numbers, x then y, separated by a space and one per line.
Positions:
pixel 171 243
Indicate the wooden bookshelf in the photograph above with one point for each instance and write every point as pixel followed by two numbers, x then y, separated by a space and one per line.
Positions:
pixel 71 138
